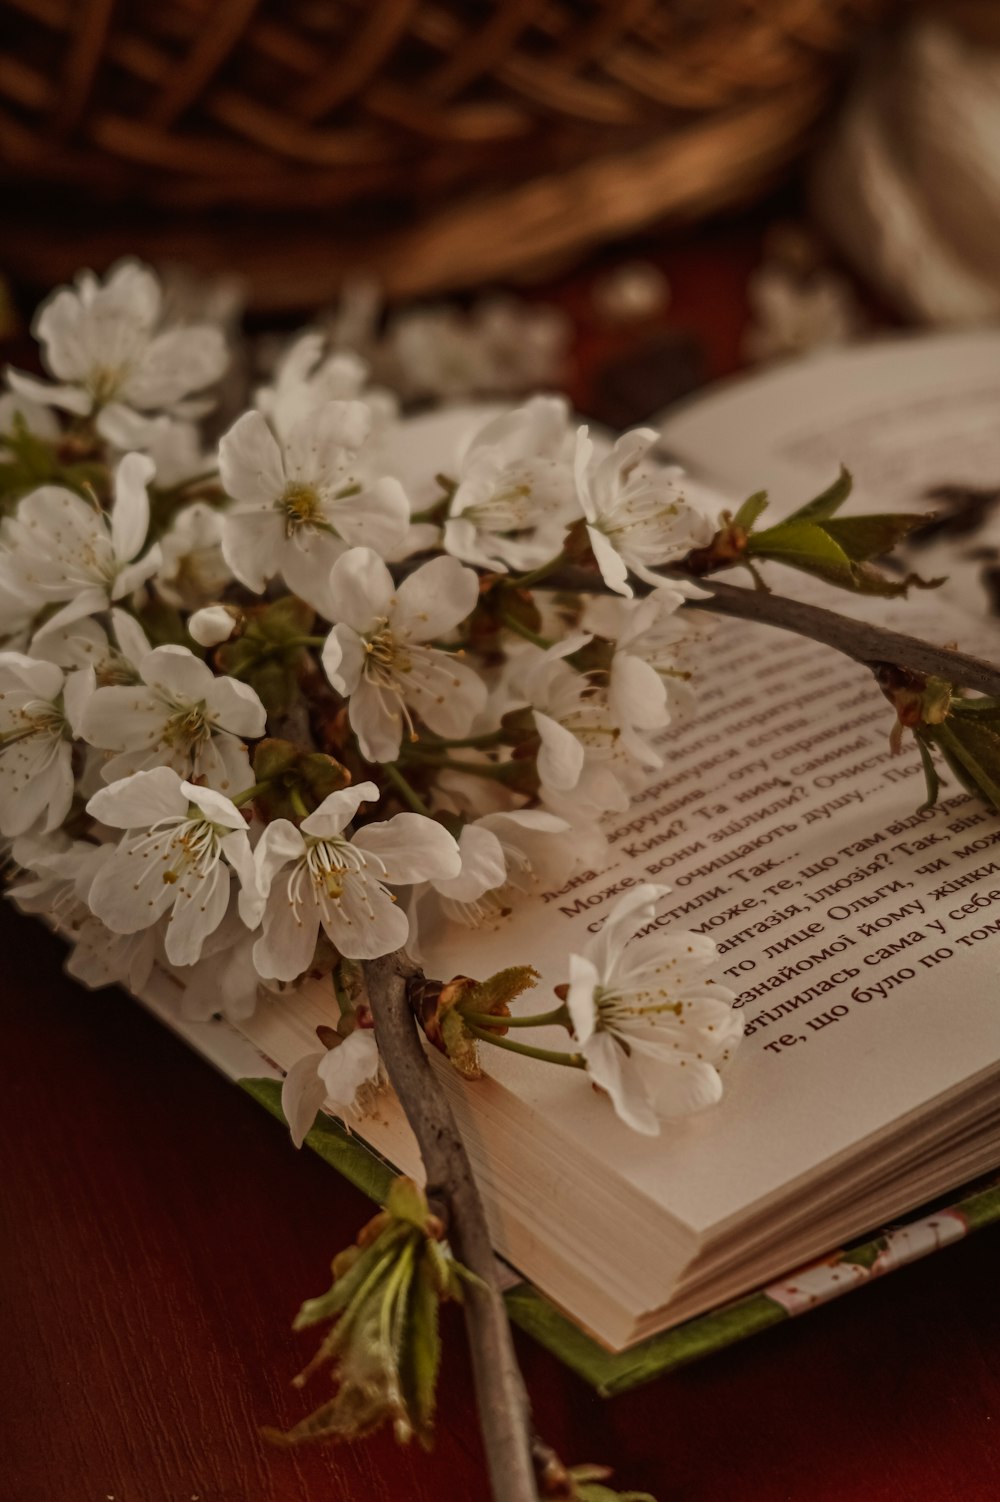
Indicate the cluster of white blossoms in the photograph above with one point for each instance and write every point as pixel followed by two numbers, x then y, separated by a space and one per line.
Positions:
pixel 289 704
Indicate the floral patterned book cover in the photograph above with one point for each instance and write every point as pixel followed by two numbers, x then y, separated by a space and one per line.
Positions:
pixel 805 1288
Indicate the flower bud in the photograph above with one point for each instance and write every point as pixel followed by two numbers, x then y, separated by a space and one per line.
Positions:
pixel 214 624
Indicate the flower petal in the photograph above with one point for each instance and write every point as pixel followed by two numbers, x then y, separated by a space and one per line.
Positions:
pixel 583 982
pixel 483 865
pixel 287 946
pixel 250 464
pixel 87 602
pixel 377 724
pixel 366 922
pixel 252 546
pixel 609 1067
pixel 611 564
pixel 303 1094
pixel 338 809
pixel 279 844
pixel 138 801
pixel 361 589
pixel 347 1067
pixel 343 658
pixel 130 512
pixel 411 848
pixel 236 707
pixel 67 398
pixel 560 756
pixel 198 910
pixel 435 598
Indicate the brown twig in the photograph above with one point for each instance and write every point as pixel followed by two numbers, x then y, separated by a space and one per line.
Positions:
pixel 865 643
pixel 504 1412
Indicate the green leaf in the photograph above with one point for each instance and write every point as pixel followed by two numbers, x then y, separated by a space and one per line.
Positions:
pixel 343 1289
pixel 803 544
pixel 972 751
pixel 753 507
pixel 421 1354
pixel 497 992
pixel 828 502
pixel 864 537
pixel 459 1044
pixel 593 1491
pixel 931 777
pixel 408 1202
pixel 815 548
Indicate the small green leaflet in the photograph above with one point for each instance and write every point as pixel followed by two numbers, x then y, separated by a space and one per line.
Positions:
pixel 838 549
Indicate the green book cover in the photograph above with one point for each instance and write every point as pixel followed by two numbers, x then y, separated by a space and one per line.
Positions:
pixel 614 1372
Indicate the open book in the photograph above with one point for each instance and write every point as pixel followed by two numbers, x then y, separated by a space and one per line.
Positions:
pixel 861 936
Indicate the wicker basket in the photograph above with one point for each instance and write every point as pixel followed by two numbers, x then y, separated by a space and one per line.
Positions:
pixel 435 142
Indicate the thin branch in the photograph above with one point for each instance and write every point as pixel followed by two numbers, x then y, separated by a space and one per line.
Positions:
pixel 865 643
pixel 504 1412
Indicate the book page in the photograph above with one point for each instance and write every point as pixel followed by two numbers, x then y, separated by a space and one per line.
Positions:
pixel 860 934
pixel 904 414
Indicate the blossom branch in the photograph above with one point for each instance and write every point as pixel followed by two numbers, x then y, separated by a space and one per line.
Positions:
pixel 862 641
pixel 451 1189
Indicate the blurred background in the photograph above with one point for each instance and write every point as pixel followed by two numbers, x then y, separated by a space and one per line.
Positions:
pixel 616 198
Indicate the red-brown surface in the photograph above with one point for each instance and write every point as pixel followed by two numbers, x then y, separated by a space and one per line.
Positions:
pixel 158 1231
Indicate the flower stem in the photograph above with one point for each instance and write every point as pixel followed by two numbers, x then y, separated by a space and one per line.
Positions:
pixel 558 1017
pixel 298 803
pixel 505 1414
pixel 249 794
pixel 492 771
pixel 520 629
pixel 491 738
pixel 408 794
pixel 547 1055
pixel 524 581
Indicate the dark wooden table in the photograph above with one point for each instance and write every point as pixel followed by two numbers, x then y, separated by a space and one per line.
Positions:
pixel 158 1231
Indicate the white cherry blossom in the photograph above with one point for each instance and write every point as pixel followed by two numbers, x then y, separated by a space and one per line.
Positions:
pixel 103 344
pixel 38 420
pixel 173 444
pixel 378 653
pixel 178 715
pixel 308 375
pixel 56 875
pixel 506 857
pixel 113 659
pixel 100 958
pixel 301 503
pixel 335 1079
pixel 581 749
pixel 212 624
pixel 48 867
pixel 182 845
pixel 40 710
pixel 193 571
pixel 224 981
pixel 59 547
pixel 515 489
pixel 637 517
pixel 653 1030
pixel 317 875
pixel 648 679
